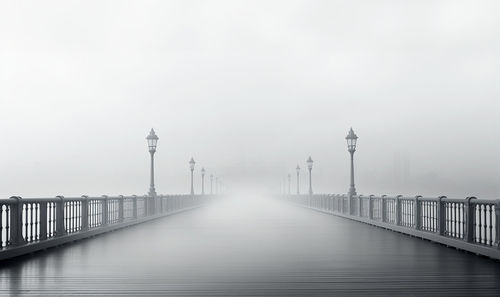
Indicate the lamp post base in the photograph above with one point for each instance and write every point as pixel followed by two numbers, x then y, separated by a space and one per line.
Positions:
pixel 152 193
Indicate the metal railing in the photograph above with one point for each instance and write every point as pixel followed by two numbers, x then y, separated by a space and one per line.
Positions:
pixel 475 222
pixel 27 222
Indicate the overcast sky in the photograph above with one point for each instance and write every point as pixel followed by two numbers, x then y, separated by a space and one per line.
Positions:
pixel 249 89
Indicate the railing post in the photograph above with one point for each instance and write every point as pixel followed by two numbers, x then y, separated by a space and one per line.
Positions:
pixel 370 207
pixel 398 210
pixel 146 205
pixel 16 222
pixel 120 208
pixel 349 202
pixel 469 219
pixel 134 207
pixel 104 210
pixel 161 204
pixel 43 221
pixel 497 224
pixel 60 230
pixel 360 208
pixel 383 213
pixel 416 213
pixel 341 204
pixel 153 204
pixel 85 213
pixel 441 215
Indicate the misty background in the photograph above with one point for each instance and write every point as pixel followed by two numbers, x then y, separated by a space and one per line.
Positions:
pixel 249 89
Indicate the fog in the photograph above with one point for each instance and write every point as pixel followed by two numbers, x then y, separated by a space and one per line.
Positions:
pixel 249 89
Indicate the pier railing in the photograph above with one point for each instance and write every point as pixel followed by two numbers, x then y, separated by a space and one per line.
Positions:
pixel 27 225
pixel 470 224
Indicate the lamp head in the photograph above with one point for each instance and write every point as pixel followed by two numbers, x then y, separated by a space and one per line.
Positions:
pixel 192 163
pixel 152 139
pixel 310 163
pixel 351 138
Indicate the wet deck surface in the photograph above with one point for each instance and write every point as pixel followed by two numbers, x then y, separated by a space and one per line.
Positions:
pixel 240 247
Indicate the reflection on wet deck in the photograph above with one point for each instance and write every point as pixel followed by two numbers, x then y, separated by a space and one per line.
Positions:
pixel 252 247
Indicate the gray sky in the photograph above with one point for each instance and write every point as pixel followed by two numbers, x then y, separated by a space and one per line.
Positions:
pixel 249 89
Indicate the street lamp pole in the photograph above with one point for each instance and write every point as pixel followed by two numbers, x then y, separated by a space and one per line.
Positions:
pixel 191 166
pixel 298 173
pixel 152 142
pixel 310 166
pixel 351 148
pixel 216 185
pixel 202 181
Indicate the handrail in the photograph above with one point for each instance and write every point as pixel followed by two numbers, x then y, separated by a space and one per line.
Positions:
pixel 32 222
pixel 471 224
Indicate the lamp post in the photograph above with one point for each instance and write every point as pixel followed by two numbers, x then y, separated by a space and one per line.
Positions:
pixel 216 185
pixel 310 167
pixel 152 141
pixel 191 166
pixel 202 181
pixel 297 169
pixel 351 147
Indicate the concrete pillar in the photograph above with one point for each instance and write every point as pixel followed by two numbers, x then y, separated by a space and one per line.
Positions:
pixel 43 221
pixel 469 219
pixel 360 206
pixel 60 229
pixel 370 207
pixel 441 215
pixel 134 207
pixel 398 209
pixel 104 210
pixel 85 213
pixel 120 208
pixel 16 221
pixel 417 210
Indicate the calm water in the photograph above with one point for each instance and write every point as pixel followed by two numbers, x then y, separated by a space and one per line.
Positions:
pixel 252 247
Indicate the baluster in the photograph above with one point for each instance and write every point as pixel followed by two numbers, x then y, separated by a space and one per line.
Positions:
pixel 71 216
pixel 37 236
pixel 464 220
pixel 490 225
pixel 480 224
pixel 497 224
pixel 8 236
pixel 485 225
pixel 436 216
pixel 66 216
pixel 416 213
pixel 31 221
pixel 476 216
pixel 49 219
pixel 1 226
pixel 25 221
pixel 454 219
pixel 448 218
